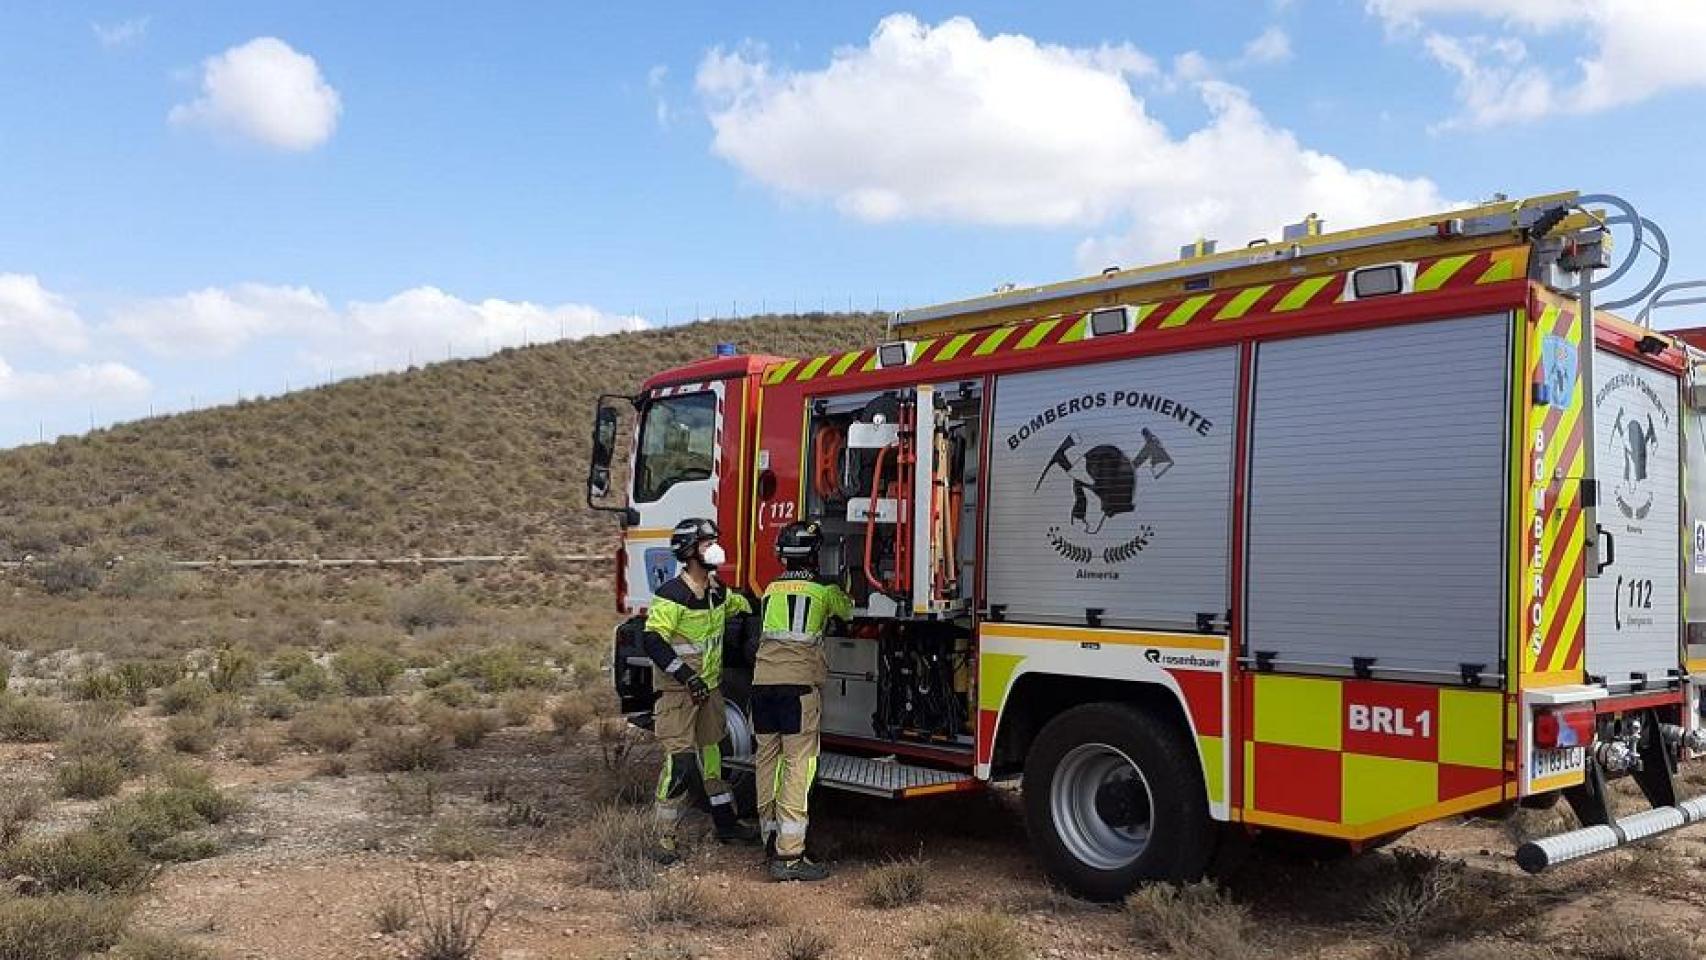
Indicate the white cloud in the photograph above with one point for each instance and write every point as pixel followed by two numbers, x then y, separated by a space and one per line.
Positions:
pixel 418 324
pixel 942 122
pixel 31 312
pixel 1271 46
pixel 655 78
pixel 267 92
pixel 125 33
pixel 100 381
pixel 1631 50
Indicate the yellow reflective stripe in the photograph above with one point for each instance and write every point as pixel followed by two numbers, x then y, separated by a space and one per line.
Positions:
pixel 1143 313
pixel 954 346
pixel 780 372
pixel 870 363
pixel 921 348
pixel 1242 303
pixel 812 367
pixel 1301 294
pixel 1036 334
pixel 1183 313
pixel 1435 276
pixel 845 362
pixel 1503 268
pixel 992 342
pixel 1080 329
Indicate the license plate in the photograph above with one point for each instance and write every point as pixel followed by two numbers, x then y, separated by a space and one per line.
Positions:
pixel 1550 763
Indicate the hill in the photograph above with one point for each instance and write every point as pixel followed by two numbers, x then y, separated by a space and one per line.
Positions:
pixel 468 456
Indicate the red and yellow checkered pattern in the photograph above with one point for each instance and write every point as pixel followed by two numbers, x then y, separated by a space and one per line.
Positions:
pixel 1361 759
pixel 1264 301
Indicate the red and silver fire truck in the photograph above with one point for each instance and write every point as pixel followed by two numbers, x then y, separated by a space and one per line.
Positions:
pixel 1336 535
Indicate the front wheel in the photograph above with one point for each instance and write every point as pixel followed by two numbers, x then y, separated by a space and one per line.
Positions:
pixel 1114 796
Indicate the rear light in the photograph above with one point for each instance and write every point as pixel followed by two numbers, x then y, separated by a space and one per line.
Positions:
pixel 621 579
pixel 1560 729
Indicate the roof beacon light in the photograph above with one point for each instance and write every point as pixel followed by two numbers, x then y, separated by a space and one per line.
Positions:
pixel 725 349
pixel 896 354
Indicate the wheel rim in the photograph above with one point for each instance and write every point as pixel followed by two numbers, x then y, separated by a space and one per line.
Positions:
pixel 1102 806
pixel 739 732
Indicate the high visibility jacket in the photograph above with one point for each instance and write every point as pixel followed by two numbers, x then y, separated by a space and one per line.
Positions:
pixel 681 626
pixel 797 610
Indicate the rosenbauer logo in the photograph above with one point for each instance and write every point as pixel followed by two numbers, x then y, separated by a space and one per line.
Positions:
pixel 1096 482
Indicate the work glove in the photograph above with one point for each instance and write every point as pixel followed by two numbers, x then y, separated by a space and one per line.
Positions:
pixel 697 690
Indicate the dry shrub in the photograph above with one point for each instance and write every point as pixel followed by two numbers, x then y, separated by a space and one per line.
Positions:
pixel 452 916
pixel 677 901
pixel 18 809
pixel 434 602
pixel 69 575
pixel 898 883
pixel 618 846
pixel 328 728
pixel 185 695
pixel 149 576
pixel 184 800
pixel 413 794
pixel 1419 898
pixel 366 671
pixel 570 714
pixel 405 750
pixel 227 712
pixel 1635 940
pixel 803 943
pixel 458 842
pixel 626 773
pixel 156 946
pixel 311 682
pixel 124 746
pixel 276 703
pixel 975 936
pixel 259 748
pixel 394 914
pixel 186 848
pixel 454 693
pixel 235 670
pixel 83 861
pixel 519 707
pixel 1493 950
pixel 1196 921
pixel 465 728
pixel 30 719
pixel 60 927
pixel 89 778
pixel 193 733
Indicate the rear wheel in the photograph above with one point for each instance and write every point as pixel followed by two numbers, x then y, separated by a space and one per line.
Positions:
pixel 1114 796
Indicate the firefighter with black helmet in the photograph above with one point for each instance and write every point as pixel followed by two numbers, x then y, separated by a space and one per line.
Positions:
pixel 684 639
pixel 790 671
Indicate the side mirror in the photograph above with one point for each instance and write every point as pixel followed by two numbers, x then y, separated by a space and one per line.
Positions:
pixel 604 427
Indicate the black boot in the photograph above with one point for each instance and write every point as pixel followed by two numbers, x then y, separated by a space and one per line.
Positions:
pixel 729 828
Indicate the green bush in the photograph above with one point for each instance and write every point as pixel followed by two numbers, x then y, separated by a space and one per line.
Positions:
pixel 503 668
pixel 121 745
pixel 99 686
pixel 60 927
pixel 276 703
pixel 83 861
pixel 456 693
pixel 366 672
pixel 186 801
pixel 30 719
pixel 142 676
pixel 90 778
pixel 289 662
pixel 185 695
pixel 310 682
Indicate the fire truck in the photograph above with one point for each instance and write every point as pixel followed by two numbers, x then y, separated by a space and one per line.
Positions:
pixel 1334 535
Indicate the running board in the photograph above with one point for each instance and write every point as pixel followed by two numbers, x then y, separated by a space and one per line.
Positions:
pixel 1537 855
pixel 879 777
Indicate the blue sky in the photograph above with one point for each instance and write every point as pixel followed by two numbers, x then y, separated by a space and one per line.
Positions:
pixel 200 200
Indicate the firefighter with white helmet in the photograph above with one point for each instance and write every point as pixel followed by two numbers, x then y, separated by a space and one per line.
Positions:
pixel 684 639
pixel 790 671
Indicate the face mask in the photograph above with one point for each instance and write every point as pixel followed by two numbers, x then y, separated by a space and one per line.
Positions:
pixel 713 555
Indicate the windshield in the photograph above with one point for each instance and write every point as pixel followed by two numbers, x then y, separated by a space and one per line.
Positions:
pixel 676 441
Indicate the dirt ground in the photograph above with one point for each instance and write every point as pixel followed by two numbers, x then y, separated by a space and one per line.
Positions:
pixel 314 857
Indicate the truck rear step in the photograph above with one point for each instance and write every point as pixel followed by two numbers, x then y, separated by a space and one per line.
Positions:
pixel 879 777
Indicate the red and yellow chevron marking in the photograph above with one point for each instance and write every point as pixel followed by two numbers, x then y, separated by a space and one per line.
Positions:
pixel 1553 594
pixel 1265 301
pixel 1359 759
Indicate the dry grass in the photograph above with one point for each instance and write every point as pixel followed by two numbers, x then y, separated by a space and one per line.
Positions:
pixel 452 917
pixel 466 729
pixel 519 707
pixel 1636 940
pixel 618 845
pixel 975 936
pixel 394 914
pixel 83 861
pixel 898 883
pixel 60 927
pixel 458 842
pixel 676 901
pixel 18 809
pixel 1196 921
pixel 413 794
pixel 192 733
pixel 155 946
pixel 30 719
pixel 259 747
pixel 802 943
pixel 570 714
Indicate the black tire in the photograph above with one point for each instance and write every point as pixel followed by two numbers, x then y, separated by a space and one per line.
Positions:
pixel 1181 836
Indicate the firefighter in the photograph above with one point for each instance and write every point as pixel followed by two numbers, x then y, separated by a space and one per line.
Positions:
pixel 790 671
pixel 684 638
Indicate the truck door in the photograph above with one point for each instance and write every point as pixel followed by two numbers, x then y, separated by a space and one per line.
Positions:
pixel 677 467
pixel 1694 515
pixel 1634 606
